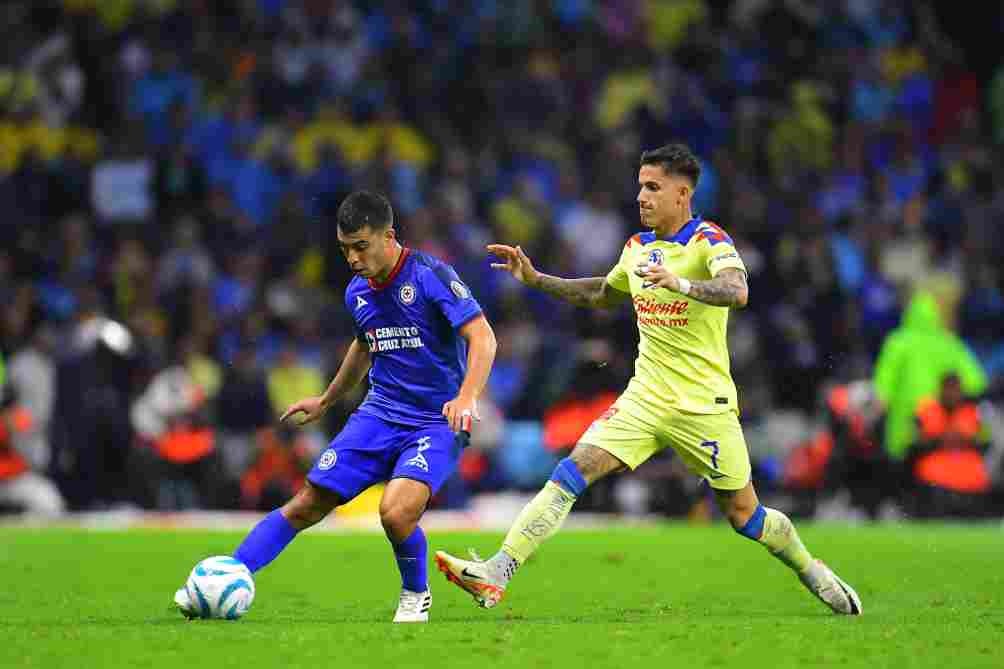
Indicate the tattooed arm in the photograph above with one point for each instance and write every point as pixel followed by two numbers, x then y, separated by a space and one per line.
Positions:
pixel 593 292
pixel 726 289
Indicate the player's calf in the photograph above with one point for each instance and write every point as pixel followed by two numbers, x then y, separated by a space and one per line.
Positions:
pixel 539 520
pixel 403 503
pixel 309 506
pixel 775 531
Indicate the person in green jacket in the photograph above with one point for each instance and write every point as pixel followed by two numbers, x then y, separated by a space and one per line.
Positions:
pixel 913 359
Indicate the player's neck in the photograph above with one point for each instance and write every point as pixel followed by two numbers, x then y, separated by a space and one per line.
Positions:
pixel 386 271
pixel 673 227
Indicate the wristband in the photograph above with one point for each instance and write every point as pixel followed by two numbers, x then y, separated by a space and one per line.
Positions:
pixel 684 285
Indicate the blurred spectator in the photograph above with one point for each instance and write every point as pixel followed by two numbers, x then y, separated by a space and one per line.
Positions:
pixel 912 362
pixel 290 380
pixel 242 408
pixel 946 459
pixel 283 458
pixel 176 442
pixel 91 434
pixel 21 488
pixel 32 378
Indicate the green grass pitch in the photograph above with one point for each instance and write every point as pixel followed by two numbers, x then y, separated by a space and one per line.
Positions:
pixel 675 595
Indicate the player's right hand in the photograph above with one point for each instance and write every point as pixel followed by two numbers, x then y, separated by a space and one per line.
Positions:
pixel 312 408
pixel 516 262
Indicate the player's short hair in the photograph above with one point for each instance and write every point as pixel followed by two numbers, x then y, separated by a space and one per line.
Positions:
pixel 363 209
pixel 674 159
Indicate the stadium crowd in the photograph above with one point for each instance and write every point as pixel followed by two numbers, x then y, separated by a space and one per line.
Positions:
pixel 171 281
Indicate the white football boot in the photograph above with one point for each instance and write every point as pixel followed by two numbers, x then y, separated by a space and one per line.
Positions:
pixel 413 607
pixel 830 589
pixel 477 577
pixel 184 603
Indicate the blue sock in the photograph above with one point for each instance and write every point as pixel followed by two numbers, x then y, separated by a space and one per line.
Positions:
pixel 412 561
pixel 265 541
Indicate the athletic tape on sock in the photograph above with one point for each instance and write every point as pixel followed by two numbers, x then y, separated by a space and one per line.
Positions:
pixel 568 476
pixel 754 526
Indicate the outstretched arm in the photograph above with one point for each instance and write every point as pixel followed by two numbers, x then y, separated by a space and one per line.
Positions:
pixel 592 292
pixel 726 289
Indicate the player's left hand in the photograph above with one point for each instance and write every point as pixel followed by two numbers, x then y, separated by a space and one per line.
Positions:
pixel 461 412
pixel 657 276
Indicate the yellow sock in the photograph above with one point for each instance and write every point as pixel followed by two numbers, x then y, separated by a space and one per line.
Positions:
pixel 538 521
pixel 782 540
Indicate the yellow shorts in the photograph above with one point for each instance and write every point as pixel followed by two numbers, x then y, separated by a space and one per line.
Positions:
pixel 711 445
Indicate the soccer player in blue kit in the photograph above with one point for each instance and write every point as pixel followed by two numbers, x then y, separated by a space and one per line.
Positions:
pixel 428 349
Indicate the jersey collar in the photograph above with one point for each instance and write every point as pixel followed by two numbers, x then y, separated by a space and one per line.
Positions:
pixel 681 237
pixel 380 285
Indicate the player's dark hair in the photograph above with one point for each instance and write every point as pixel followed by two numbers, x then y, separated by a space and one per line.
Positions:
pixel 674 159
pixel 362 209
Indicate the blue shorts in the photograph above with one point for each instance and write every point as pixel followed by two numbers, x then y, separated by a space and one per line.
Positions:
pixel 372 450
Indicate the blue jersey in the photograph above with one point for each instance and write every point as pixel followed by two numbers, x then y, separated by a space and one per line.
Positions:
pixel 409 323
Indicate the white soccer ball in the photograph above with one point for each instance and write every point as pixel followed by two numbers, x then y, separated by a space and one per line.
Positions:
pixel 220 587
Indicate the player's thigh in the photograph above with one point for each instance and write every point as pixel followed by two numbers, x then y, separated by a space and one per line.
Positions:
pixel 624 435
pixel 712 446
pixel 428 455
pixel 359 456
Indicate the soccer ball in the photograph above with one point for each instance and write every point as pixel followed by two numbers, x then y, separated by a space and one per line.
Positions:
pixel 220 587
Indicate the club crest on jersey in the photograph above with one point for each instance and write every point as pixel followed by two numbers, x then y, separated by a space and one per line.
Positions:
pixel 407 293
pixel 655 256
pixel 460 290
pixel 328 459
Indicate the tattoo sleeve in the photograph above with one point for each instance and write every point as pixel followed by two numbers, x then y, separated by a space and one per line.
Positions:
pixel 727 289
pixel 592 292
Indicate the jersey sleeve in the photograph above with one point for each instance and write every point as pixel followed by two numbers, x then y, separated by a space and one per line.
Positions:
pixel 719 250
pixel 618 275
pixel 444 288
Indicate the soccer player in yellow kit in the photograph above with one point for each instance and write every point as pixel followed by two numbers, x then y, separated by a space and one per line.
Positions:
pixel 682 275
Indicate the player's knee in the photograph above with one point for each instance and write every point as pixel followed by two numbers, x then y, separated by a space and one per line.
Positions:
pixel 593 463
pixel 309 506
pixel 399 519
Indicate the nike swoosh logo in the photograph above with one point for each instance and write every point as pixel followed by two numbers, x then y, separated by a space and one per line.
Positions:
pixel 716 476
pixel 470 575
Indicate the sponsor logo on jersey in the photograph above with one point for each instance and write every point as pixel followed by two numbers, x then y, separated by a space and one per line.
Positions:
pixel 407 293
pixel 648 305
pixel 393 338
pixel 360 302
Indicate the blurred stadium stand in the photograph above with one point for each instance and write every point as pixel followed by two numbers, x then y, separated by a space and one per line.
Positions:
pixel 169 275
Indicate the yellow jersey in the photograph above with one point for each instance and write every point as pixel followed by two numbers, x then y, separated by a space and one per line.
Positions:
pixel 683 357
